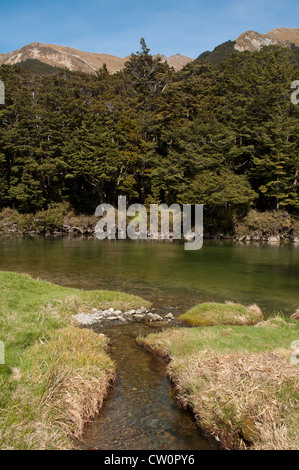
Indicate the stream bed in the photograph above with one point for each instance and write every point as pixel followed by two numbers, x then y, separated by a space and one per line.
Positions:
pixel 140 412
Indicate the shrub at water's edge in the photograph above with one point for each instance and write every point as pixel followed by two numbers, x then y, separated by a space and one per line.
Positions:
pixel 230 313
pixel 55 375
pixel 238 381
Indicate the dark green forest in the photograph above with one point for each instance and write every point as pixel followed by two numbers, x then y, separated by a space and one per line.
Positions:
pixel 224 134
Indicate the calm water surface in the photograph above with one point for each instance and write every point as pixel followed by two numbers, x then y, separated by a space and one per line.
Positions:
pixel 141 412
pixel 164 273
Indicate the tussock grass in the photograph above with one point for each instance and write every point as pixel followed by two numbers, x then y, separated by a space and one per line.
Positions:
pixel 56 375
pixel 230 313
pixel 295 315
pixel 243 399
pixel 238 380
pixel 61 385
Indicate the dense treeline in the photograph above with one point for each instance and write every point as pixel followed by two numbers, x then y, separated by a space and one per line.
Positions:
pixel 224 135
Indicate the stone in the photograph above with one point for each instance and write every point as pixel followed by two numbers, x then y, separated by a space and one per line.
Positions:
pixel 154 317
pixel 111 310
pixel 85 318
pixel 121 318
pixel 274 239
pixel 111 318
pixel 118 312
pixel 169 315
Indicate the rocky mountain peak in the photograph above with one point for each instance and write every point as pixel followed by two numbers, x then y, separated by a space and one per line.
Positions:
pixel 254 41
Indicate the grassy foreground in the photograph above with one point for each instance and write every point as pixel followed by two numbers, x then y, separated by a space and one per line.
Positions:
pixel 238 381
pixel 55 375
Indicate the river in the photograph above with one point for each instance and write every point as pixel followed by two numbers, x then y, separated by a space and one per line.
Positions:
pixel 164 273
pixel 141 412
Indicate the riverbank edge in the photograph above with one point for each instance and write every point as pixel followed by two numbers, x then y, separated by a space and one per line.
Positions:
pixel 224 440
pixel 61 219
pixel 90 233
pixel 244 438
pixel 56 375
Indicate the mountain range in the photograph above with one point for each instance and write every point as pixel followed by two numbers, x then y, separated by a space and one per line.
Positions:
pixel 73 59
pixel 76 60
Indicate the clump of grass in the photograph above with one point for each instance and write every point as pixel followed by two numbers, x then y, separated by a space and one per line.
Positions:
pixel 55 375
pixel 61 385
pixel 230 313
pixel 238 380
pixel 243 399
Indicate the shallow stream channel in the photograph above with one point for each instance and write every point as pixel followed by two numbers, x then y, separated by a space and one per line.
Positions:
pixel 141 412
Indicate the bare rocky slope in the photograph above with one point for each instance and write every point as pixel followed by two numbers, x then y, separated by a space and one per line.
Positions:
pixel 73 59
pixel 253 41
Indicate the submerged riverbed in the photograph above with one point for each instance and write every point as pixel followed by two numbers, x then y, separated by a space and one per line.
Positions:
pixel 140 412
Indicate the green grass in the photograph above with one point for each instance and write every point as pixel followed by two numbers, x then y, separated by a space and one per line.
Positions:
pixel 273 333
pixel 212 313
pixel 47 359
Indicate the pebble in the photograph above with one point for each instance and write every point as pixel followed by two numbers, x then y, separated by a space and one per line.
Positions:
pixel 154 317
pixel 169 315
pixel 100 316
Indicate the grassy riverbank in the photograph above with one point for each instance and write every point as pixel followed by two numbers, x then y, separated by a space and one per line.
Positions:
pixel 230 313
pixel 238 381
pixel 55 375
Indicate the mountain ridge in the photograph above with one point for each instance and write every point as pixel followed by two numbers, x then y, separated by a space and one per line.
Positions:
pixel 254 41
pixel 74 59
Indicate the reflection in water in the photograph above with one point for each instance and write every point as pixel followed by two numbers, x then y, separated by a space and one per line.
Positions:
pixel 163 272
pixel 140 413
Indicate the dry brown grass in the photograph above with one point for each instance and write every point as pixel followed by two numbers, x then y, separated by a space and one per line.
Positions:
pixel 68 381
pixel 239 381
pixel 248 400
pixel 295 316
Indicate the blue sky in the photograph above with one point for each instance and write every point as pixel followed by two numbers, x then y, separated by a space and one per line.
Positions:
pixel 188 27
